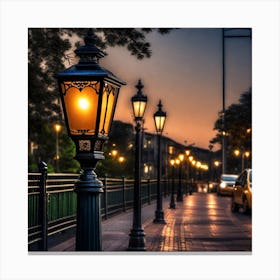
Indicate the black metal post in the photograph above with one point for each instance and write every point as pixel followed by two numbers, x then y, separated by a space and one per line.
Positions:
pixel 43 167
pixel 123 193
pixel 105 198
pixel 188 177
pixel 172 200
pixel 223 108
pixel 159 214
pixel 137 235
pixel 179 189
pixel 57 153
pixel 88 189
pixel 149 191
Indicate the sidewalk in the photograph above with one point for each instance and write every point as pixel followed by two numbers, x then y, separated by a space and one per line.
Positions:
pixel 202 222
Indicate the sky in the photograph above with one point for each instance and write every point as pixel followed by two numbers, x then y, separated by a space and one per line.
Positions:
pixel 185 72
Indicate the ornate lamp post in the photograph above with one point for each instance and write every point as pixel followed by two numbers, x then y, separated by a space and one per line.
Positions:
pixel 89 95
pixel 159 118
pixel 137 235
pixel 172 200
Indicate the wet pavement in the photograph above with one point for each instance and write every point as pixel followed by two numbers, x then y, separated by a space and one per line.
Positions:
pixel 203 222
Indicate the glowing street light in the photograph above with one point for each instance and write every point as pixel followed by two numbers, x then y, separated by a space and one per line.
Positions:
pixel 137 235
pixel 172 200
pixel 89 96
pixel 114 153
pixel 159 118
pixel 57 128
pixel 179 162
pixel 243 155
pixel 121 159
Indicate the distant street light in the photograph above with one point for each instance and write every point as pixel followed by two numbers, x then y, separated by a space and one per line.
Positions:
pixel 159 118
pixel 57 128
pixel 89 95
pixel 114 153
pixel 243 155
pixel 188 152
pixel 137 235
pixel 179 162
pixel 172 200
pixel 121 159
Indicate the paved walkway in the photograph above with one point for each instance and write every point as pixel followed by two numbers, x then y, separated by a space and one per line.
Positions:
pixel 201 223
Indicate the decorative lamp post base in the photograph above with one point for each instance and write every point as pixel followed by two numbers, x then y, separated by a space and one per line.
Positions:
pixel 88 231
pixel 159 217
pixel 136 240
pixel 172 206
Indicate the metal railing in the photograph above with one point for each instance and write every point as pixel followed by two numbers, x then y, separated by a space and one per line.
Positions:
pixel 52 202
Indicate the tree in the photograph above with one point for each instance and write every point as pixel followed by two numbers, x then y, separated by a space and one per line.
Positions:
pixel 238 127
pixel 48 50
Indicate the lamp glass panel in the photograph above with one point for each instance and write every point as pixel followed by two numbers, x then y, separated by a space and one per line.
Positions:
pixel 109 99
pixel 81 107
pixel 139 108
pixel 159 122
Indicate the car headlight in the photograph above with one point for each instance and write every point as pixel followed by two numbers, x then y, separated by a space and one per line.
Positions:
pixel 223 185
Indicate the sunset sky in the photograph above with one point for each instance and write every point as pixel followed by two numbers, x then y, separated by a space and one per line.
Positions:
pixel 185 72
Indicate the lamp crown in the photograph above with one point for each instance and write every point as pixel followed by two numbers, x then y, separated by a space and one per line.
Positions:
pixel 159 106
pixel 139 96
pixel 139 86
pixel 89 53
pixel 159 111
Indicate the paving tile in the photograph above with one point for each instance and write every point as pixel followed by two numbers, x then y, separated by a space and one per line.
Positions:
pixel 201 223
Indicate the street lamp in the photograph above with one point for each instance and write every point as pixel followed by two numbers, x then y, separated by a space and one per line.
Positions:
pixel 89 95
pixel 188 152
pixel 179 189
pixel 121 159
pixel 159 118
pixel 172 200
pixel 243 155
pixel 137 235
pixel 57 128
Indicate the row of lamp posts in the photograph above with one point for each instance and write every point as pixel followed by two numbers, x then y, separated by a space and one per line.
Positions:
pixel 89 95
pixel 137 235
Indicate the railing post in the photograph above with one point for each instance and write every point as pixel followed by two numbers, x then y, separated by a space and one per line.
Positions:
pixel 123 193
pixel 43 205
pixel 105 198
pixel 149 191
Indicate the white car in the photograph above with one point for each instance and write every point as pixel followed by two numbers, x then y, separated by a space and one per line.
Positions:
pixel 226 184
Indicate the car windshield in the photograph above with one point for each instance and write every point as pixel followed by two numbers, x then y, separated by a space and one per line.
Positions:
pixel 229 177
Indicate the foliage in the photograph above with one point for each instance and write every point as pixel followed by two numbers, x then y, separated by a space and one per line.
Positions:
pixel 48 50
pixel 238 127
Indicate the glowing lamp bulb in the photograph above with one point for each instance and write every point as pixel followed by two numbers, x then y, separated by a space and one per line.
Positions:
pixel 83 103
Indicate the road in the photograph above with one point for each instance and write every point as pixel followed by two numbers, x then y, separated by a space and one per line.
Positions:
pixel 203 222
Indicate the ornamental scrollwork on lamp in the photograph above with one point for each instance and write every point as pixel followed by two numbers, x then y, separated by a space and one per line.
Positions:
pixel 80 85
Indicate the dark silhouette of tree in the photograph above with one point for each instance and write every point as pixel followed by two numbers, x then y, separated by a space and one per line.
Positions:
pixel 48 52
pixel 238 127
